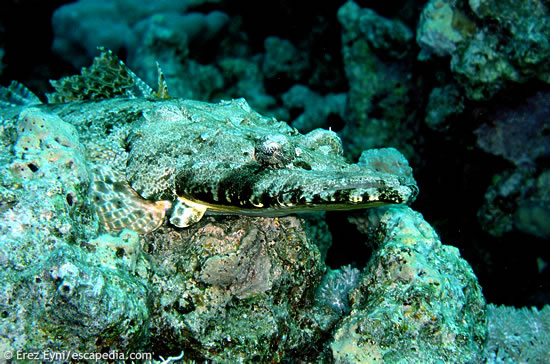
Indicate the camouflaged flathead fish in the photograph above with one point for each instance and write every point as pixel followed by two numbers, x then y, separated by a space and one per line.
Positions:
pixel 151 155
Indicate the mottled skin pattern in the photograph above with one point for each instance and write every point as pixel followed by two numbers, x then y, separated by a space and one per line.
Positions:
pixel 233 160
pixel 230 159
pixel 216 158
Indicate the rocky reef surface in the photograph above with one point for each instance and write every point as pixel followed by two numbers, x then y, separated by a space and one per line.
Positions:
pixel 459 87
pixel 224 289
pixel 490 43
pixel 417 300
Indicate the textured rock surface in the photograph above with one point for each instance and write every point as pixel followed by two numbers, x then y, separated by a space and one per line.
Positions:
pixel 235 289
pixel 417 300
pixel 376 54
pixel 57 294
pixel 491 43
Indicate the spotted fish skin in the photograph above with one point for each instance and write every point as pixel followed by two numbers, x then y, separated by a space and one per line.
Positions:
pixel 199 157
pixel 233 160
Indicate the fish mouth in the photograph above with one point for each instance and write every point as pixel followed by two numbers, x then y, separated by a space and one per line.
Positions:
pixel 260 192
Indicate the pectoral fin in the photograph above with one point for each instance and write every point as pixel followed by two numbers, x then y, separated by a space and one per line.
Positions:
pixel 119 207
pixel 186 213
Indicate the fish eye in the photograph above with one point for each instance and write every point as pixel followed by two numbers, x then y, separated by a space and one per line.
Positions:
pixel 274 151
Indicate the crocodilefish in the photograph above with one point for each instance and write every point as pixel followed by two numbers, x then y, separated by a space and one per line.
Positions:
pixel 152 156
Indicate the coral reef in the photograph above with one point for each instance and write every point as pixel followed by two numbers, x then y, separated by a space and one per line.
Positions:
pixel 518 133
pixel 417 300
pixel 68 285
pixel 445 104
pixel 243 77
pixel 282 59
pixel 376 53
pixel 104 280
pixel 518 197
pixel 491 43
pixel 119 25
pixel 443 25
pixel 49 277
pixel 336 286
pixel 518 200
pixel 317 111
pixel 104 247
pixel 260 272
pixel 166 39
pixel 47 147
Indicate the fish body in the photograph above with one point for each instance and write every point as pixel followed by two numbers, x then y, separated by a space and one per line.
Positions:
pixel 187 158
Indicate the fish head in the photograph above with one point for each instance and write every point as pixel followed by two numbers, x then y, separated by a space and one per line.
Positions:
pixel 284 174
pixel 225 158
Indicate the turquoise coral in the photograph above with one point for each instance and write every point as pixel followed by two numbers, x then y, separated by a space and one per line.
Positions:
pixel 377 61
pixel 417 300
